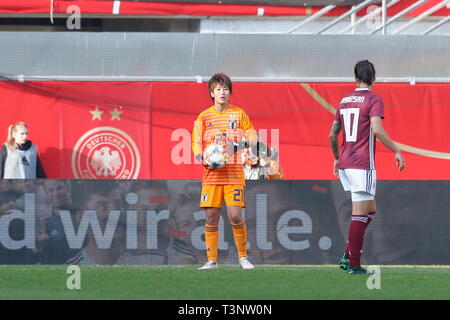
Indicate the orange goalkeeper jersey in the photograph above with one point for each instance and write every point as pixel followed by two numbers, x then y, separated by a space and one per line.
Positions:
pixel 213 127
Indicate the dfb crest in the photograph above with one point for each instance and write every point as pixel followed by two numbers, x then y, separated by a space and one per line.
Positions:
pixel 106 153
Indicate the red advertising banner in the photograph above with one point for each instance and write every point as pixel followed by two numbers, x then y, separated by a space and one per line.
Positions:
pixel 195 9
pixel 130 130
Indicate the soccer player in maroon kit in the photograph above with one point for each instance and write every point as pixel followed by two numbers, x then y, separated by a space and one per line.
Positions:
pixel 360 113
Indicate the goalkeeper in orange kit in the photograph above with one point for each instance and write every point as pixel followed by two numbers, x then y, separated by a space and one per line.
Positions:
pixel 229 126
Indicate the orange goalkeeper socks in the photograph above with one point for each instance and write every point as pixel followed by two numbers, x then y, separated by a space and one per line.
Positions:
pixel 240 238
pixel 212 240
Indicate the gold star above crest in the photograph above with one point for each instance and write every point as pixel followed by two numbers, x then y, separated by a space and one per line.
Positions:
pixel 115 115
pixel 96 114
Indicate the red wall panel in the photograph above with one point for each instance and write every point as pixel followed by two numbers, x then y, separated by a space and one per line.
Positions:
pixel 149 123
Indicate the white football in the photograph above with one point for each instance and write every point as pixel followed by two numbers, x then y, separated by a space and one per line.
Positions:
pixel 215 156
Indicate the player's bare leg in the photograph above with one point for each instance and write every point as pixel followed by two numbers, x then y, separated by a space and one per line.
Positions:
pixel 366 208
pixel 212 216
pixel 363 208
pixel 240 234
pixel 234 214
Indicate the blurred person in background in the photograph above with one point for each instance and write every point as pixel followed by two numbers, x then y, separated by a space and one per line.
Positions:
pixel 154 196
pixel 52 239
pixel 262 163
pixel 16 229
pixel 19 156
pixel 302 207
pixel 101 197
pixel 182 221
pixel 412 222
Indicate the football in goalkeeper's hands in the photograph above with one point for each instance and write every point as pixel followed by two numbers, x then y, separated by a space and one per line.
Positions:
pixel 215 156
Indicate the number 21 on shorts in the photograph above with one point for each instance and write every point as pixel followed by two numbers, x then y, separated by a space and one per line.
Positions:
pixel 351 127
pixel 237 195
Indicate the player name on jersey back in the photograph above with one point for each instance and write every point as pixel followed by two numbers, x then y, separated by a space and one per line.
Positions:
pixel 358 99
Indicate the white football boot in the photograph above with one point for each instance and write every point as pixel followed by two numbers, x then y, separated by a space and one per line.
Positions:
pixel 209 265
pixel 245 264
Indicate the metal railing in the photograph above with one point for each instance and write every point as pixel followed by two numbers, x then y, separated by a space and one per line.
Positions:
pixel 382 24
pixel 422 16
pixel 437 25
pixel 369 16
pixel 311 18
pixel 345 15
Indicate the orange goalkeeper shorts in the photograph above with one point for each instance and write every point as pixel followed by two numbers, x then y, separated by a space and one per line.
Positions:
pixel 212 196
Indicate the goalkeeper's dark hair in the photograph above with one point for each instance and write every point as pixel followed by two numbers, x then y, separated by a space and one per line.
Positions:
pixel 365 72
pixel 222 79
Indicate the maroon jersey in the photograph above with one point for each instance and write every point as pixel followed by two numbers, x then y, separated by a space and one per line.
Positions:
pixel 354 113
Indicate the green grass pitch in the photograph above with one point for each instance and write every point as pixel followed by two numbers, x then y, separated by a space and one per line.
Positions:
pixel 229 282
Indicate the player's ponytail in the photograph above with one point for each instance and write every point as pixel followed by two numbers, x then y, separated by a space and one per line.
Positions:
pixel 10 141
pixel 365 72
